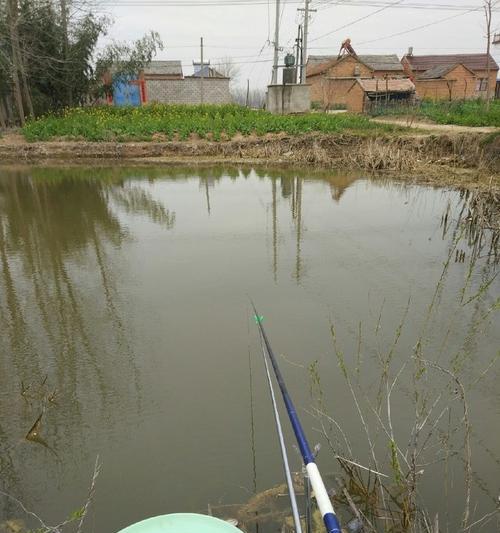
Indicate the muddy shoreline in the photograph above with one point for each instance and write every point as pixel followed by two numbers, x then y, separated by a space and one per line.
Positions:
pixel 462 159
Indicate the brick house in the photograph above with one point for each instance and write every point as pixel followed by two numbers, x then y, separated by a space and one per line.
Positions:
pixel 379 66
pixel 455 82
pixel 366 94
pixel 421 67
pixel 164 82
pixel 331 78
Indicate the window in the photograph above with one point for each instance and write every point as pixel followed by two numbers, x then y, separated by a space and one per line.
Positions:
pixel 482 84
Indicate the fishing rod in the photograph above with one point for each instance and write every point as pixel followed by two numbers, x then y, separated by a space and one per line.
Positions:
pixel 284 455
pixel 323 500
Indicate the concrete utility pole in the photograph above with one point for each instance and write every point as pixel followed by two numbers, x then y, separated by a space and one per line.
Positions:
pixel 304 44
pixel 202 96
pixel 298 54
pixel 307 11
pixel 64 23
pixel 274 79
pixel 487 12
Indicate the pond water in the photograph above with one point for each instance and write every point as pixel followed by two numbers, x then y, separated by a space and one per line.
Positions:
pixel 125 322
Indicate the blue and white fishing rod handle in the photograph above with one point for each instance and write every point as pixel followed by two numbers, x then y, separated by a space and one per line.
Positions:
pixel 322 499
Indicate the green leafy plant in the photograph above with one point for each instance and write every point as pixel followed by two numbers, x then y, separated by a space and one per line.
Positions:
pixel 181 121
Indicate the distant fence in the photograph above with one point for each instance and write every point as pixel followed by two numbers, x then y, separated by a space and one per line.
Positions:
pixel 382 105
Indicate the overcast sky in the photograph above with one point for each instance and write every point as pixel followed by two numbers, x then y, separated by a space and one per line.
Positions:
pixel 242 31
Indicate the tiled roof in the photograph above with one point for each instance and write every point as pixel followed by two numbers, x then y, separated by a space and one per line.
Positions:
pixel 318 66
pixel 382 62
pixel 317 60
pixel 374 61
pixel 372 85
pixel 164 68
pixel 471 61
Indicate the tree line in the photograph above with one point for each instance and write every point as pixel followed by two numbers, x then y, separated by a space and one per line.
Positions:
pixel 49 57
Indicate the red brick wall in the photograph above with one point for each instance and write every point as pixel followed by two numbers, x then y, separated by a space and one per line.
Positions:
pixel 432 89
pixel 349 67
pixel 316 87
pixel 334 91
pixel 458 84
pixel 464 83
pixel 390 73
pixel 355 99
pixel 478 93
pixel 481 92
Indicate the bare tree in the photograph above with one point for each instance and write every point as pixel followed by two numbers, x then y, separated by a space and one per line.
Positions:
pixel 487 11
pixel 16 67
pixel 227 67
pixel 254 98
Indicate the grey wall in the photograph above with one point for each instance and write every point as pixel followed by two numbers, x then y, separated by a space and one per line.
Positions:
pixel 285 99
pixel 188 91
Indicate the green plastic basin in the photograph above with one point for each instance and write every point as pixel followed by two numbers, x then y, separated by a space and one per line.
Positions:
pixel 181 523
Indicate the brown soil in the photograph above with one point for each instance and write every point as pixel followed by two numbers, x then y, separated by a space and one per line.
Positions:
pixel 452 158
pixel 432 126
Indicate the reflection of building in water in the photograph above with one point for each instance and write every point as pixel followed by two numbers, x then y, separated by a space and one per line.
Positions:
pixel 291 190
pixel 339 184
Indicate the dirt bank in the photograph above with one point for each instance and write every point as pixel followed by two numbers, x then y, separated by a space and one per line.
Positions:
pixel 472 154
pixel 411 122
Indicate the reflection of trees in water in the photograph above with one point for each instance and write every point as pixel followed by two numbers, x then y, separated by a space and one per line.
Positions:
pixel 59 308
pixel 473 228
pixel 136 200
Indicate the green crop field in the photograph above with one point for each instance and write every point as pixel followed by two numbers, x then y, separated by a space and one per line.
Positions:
pixel 182 121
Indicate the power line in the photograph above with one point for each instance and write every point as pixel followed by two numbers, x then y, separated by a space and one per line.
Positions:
pixel 421 27
pixel 357 20
pixel 385 3
pixel 324 5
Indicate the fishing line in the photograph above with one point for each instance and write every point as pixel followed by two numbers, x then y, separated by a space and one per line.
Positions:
pixel 284 455
pixel 322 499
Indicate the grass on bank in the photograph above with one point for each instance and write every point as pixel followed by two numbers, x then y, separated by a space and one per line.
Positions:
pixel 182 121
pixel 459 112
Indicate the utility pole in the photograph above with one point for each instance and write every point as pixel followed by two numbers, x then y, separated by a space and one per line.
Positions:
pixel 298 54
pixel 307 11
pixel 487 12
pixel 64 24
pixel 202 96
pixel 248 92
pixel 274 79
